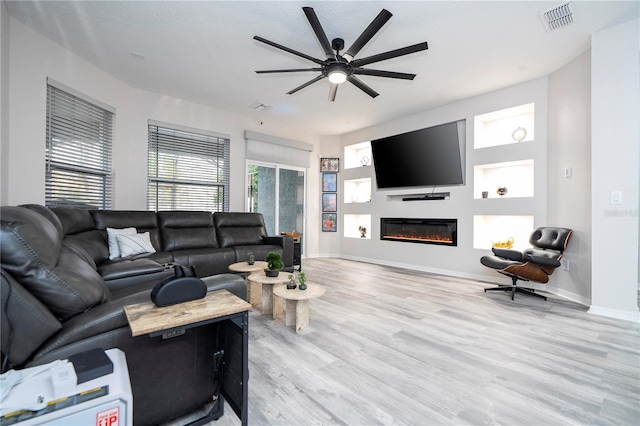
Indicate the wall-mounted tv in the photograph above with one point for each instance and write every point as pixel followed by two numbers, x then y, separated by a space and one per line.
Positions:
pixel 427 157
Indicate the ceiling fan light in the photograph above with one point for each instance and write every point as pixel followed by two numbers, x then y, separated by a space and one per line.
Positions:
pixel 337 77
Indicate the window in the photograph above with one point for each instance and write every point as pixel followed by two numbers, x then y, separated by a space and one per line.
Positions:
pixel 188 170
pixel 78 150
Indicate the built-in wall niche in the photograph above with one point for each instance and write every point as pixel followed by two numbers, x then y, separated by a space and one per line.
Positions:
pixel 514 176
pixel 489 229
pixel 506 126
pixel 357 226
pixel 357 190
pixel 357 155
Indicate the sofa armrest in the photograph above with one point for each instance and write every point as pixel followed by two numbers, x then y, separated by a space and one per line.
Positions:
pixel 26 322
pixel 284 241
pixel 101 319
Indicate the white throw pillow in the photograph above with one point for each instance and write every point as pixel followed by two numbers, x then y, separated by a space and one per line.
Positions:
pixel 112 233
pixel 131 244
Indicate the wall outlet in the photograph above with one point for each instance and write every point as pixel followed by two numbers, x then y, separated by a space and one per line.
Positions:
pixel 566 265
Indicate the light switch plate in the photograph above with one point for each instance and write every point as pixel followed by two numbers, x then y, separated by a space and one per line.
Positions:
pixel 616 197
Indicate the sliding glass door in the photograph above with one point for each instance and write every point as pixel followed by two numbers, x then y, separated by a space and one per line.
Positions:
pixel 277 191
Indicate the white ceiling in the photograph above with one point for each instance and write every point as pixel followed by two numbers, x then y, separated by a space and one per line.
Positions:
pixel 204 52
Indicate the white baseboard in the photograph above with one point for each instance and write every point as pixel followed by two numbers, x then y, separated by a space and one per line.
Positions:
pixel 569 295
pixel 615 313
pixel 484 278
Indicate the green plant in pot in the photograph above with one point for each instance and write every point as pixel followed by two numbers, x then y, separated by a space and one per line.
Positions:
pixel 302 279
pixel 291 285
pixel 251 257
pixel 274 264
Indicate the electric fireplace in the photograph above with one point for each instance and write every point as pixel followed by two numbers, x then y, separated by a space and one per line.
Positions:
pixel 424 231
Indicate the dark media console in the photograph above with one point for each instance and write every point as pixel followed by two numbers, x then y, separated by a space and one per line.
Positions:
pixel 432 196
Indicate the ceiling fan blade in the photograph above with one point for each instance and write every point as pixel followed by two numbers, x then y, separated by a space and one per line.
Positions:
pixel 286 49
pixel 360 85
pixel 289 70
pixel 390 54
pixel 367 34
pixel 333 89
pixel 302 86
pixel 379 73
pixel 317 28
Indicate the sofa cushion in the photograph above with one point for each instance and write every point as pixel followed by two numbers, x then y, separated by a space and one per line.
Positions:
pixel 209 261
pixel 74 220
pixel 32 253
pixel 239 229
pixel 89 245
pixel 112 240
pixel 143 221
pixel 130 244
pixel 48 213
pixel 182 230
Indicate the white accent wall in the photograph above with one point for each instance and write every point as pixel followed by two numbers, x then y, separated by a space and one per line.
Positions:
pixel 569 198
pixel 615 164
pixel 462 260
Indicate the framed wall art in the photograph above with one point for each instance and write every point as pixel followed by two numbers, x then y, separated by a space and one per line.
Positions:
pixel 330 165
pixel 329 222
pixel 329 182
pixel 330 202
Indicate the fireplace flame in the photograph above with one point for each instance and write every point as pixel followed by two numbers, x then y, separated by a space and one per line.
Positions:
pixel 435 238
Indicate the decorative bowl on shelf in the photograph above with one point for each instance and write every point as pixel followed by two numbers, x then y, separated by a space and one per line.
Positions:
pixel 501 190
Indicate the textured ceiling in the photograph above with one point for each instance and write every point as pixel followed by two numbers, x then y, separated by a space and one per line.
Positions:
pixel 204 52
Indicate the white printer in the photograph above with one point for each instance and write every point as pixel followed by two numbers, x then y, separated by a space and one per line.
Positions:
pixel 90 388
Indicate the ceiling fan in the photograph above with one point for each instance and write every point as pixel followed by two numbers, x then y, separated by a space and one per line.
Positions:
pixel 340 68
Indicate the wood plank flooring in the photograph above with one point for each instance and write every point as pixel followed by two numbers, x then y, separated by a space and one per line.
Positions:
pixel 389 346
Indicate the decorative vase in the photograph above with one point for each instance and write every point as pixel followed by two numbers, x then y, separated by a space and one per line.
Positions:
pixel 291 285
pixel 270 273
pixel 485 194
pixel 501 190
pixel 302 287
pixel 251 262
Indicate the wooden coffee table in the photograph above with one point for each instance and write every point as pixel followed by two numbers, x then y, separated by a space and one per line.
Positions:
pixel 297 303
pixel 259 265
pixel 267 284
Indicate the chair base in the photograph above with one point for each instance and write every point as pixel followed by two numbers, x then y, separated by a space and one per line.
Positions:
pixel 514 290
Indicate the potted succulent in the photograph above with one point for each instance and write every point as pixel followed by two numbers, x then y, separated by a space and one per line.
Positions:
pixel 302 279
pixel 251 257
pixel 291 285
pixel 274 264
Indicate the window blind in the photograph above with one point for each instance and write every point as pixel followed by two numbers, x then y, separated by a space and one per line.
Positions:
pixel 78 152
pixel 187 170
pixel 273 149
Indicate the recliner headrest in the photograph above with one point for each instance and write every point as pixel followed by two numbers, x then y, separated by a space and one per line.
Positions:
pixel 551 238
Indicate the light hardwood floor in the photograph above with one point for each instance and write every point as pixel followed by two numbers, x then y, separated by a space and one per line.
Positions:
pixel 394 346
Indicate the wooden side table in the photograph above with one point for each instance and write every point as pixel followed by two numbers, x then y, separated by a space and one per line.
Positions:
pixel 259 265
pixel 267 284
pixel 216 306
pixel 297 303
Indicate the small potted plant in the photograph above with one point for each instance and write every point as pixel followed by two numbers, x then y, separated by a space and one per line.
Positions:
pixel 274 264
pixel 251 257
pixel 302 279
pixel 291 285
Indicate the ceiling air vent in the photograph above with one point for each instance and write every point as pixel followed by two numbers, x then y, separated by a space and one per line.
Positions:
pixel 557 17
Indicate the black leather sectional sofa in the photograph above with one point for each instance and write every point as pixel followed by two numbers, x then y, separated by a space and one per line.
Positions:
pixel 208 242
pixel 60 293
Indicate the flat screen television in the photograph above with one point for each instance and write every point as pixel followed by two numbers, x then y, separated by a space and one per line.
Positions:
pixel 425 157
